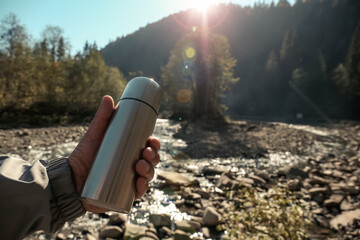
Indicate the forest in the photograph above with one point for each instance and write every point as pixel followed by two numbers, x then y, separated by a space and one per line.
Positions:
pixel 268 61
pixel 300 60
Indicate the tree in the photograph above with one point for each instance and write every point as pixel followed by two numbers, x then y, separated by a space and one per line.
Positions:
pixel 16 68
pixel 347 74
pixel 13 36
pixel 60 53
pixel 53 35
pixel 199 71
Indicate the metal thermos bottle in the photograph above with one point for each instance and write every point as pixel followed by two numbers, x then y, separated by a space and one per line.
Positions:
pixel 111 182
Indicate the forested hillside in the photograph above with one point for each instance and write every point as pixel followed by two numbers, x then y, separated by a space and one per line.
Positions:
pixel 291 60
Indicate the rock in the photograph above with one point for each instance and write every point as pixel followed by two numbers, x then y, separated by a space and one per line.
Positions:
pixel 322 221
pixel 318 180
pixel 195 196
pixel 185 226
pixel 181 235
pixel 333 201
pixel 294 185
pixel 317 211
pixel 264 175
pixel 117 219
pixel 246 181
pixel 214 170
pixel 258 180
pixel 344 187
pixel 160 220
pixel 179 202
pixel 60 236
pixel 292 172
pixel 151 228
pixel 176 179
pixel 89 237
pixel 134 232
pixel 196 225
pixel 185 192
pixel 151 235
pixel 211 217
pixel 346 206
pixel 147 238
pixel 318 197
pixel 165 232
pixel 345 218
pixel 316 190
pixel 185 209
pixel 111 232
pixel 206 232
pixel 225 182
pixel 203 193
pixel 206 203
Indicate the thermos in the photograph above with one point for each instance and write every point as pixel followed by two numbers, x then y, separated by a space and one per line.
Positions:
pixel 111 182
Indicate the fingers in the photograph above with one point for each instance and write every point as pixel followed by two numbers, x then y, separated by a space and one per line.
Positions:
pixel 151 153
pixel 145 170
pixel 99 124
pixel 154 143
pixel 141 186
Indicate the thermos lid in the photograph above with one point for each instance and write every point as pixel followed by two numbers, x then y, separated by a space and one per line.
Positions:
pixel 145 90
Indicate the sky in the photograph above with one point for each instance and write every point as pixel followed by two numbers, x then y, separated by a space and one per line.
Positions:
pixel 99 21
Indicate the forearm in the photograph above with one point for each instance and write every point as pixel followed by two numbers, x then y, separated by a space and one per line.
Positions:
pixel 36 197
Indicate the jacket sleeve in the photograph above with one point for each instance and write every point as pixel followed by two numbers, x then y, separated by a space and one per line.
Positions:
pixel 37 196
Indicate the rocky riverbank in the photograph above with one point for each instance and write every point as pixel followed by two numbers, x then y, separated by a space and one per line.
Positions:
pixel 223 179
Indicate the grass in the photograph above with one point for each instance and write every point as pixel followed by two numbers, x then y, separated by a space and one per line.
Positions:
pixel 276 214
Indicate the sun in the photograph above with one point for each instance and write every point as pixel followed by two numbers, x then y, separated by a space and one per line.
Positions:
pixel 202 5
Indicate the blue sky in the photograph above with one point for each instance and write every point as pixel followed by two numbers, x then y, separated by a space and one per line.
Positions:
pixel 96 20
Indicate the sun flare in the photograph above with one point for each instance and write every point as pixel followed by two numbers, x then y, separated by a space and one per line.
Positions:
pixel 202 5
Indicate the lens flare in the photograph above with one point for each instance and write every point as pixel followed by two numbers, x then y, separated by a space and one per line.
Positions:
pixel 183 96
pixel 190 52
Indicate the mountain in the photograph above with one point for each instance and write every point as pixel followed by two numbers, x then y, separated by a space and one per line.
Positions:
pixel 310 38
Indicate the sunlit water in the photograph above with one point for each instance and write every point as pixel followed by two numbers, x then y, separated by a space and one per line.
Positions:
pixel 159 201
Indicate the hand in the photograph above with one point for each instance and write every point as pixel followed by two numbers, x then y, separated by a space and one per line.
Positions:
pixel 84 154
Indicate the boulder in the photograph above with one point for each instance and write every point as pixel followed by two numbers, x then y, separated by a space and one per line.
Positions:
pixel 211 217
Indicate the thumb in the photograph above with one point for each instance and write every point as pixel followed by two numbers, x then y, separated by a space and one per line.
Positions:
pixel 102 117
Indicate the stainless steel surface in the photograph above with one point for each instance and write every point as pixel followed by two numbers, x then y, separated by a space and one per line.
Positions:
pixel 144 89
pixel 111 182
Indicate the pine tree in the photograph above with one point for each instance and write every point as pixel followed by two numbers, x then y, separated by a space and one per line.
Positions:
pixel 61 49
